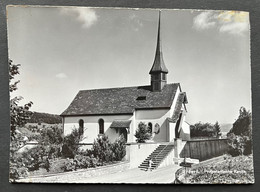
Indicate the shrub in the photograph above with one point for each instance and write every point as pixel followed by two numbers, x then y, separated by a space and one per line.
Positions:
pixel 45 164
pixel 142 133
pixel 119 148
pixel 70 145
pixel 68 165
pixel 15 173
pixel 248 147
pixel 102 150
pixel 82 161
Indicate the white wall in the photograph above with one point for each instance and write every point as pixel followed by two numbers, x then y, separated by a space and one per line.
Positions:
pixel 139 152
pixel 154 116
pixel 185 131
pixel 167 132
pixel 91 126
pixel 171 131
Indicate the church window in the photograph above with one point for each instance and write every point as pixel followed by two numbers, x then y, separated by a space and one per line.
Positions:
pixel 101 126
pixel 81 127
pixel 150 127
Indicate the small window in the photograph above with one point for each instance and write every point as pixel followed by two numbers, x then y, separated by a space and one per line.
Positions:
pixel 140 98
pixel 156 86
pixel 150 127
pixel 81 127
pixel 101 126
pixel 163 76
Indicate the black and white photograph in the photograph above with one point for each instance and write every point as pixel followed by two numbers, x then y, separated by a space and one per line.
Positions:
pixel 124 95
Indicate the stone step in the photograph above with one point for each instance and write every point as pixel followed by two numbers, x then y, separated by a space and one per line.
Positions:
pixel 158 155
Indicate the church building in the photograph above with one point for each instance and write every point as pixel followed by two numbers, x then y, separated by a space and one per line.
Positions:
pixel 119 111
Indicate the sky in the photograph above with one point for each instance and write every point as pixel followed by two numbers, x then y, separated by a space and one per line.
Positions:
pixel 66 49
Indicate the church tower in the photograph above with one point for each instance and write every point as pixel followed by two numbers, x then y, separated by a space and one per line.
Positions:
pixel 158 71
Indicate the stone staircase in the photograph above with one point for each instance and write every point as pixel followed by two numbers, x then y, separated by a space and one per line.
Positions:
pixel 157 156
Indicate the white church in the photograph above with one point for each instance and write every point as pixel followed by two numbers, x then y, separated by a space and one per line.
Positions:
pixel 115 111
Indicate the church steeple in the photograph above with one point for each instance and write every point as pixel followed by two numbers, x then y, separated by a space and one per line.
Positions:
pixel 158 71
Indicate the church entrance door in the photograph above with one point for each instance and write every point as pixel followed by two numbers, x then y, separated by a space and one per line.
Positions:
pixel 124 132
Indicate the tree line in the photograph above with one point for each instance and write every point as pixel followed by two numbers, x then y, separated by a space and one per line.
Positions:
pixel 205 130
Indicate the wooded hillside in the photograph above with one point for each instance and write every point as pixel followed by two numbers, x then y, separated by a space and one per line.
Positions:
pixel 45 118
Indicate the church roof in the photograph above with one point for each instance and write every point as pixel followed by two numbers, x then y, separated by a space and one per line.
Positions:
pixel 120 124
pixel 120 100
pixel 180 100
pixel 158 64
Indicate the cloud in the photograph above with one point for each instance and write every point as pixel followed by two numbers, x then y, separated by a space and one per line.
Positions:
pixel 234 28
pixel 204 20
pixel 232 22
pixel 61 76
pixel 136 22
pixel 86 16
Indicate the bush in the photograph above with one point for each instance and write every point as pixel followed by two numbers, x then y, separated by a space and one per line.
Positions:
pixel 142 133
pixel 248 147
pixel 15 173
pixel 45 164
pixel 102 150
pixel 119 148
pixel 70 145
pixel 82 161
pixel 68 165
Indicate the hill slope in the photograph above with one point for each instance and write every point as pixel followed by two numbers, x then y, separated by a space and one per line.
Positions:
pixel 45 118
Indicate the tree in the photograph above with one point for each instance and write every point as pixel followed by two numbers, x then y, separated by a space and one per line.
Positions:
pixel 217 129
pixel 119 148
pixel 19 114
pixel 240 135
pixel 70 144
pixel 102 149
pixel 242 126
pixel 142 133
pixel 203 130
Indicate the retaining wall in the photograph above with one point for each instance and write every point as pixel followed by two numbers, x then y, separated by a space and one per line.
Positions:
pixel 204 149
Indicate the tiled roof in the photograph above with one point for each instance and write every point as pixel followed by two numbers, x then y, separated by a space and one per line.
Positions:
pixel 180 100
pixel 120 124
pixel 120 100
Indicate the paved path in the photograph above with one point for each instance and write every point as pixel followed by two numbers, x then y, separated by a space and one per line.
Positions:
pixel 161 175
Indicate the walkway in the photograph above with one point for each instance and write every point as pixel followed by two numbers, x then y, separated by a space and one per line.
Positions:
pixel 161 175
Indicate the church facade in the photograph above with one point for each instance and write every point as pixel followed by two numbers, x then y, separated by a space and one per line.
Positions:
pixel 119 111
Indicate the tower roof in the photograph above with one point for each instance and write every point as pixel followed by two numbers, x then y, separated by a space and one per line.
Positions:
pixel 158 64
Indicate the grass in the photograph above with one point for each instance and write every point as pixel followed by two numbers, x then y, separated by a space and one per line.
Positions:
pixel 231 170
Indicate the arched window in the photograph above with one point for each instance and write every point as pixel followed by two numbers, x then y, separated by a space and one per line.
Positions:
pixel 101 126
pixel 81 127
pixel 150 127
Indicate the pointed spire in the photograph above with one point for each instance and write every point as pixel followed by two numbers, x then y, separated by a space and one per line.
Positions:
pixel 158 64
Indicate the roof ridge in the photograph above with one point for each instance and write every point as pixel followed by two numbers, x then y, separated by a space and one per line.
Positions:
pixel 112 88
pixel 121 87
